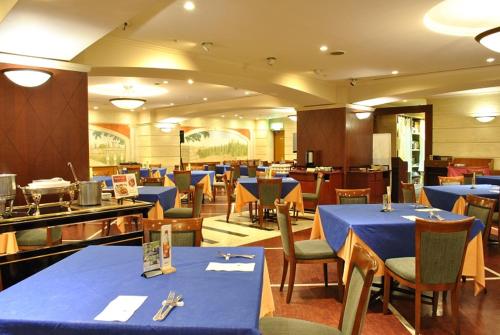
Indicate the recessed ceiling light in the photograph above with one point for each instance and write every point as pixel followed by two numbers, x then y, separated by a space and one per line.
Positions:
pixel 395 72
pixel 247 93
pixel 490 60
pixel 205 99
pixel 241 117
pixel 144 108
pixel 405 100
pixel 171 104
pixel 190 81
pixel 189 5
pixel 235 115
pixel 96 108
pixel 222 116
pixel 323 48
pixel 165 81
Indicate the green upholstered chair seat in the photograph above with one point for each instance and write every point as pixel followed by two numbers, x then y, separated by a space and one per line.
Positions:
pixel 313 249
pixel 286 326
pixel 38 236
pixel 353 200
pixel 403 267
pixel 495 217
pixel 309 196
pixel 179 238
pixel 219 175
pixel 178 213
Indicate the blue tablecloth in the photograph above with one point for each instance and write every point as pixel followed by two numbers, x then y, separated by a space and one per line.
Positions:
pixel 196 176
pixel 145 172
pixel 65 298
pixel 250 184
pixel 493 180
pixel 106 179
pixel 389 235
pixel 219 168
pixel 165 195
pixel 445 196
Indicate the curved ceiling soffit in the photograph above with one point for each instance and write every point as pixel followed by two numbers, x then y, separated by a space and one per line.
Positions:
pixel 113 56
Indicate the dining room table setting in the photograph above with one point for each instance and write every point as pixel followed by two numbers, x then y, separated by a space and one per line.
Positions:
pixel 197 176
pixel 390 234
pixel 100 290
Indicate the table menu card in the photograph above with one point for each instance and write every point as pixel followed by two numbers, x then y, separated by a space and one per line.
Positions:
pixel 125 185
pixel 151 259
pixel 166 243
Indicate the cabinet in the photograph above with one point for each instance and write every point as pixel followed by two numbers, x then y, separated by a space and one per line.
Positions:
pixel 416 146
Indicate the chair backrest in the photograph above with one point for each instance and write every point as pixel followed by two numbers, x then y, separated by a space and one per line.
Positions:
pixel 229 185
pixel 482 209
pixel 152 181
pixel 269 190
pixel 197 199
pixel 408 190
pixel 182 180
pixel 211 167
pixel 440 250
pixel 458 180
pixel 185 232
pixel 357 295
pixel 252 171
pixel 319 182
pixel 285 225
pixel 236 173
pixel 353 196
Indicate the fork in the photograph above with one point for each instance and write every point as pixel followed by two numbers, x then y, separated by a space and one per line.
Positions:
pixel 171 306
pixel 164 303
pixel 228 255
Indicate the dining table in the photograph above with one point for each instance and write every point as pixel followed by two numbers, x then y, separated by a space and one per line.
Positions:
pixel 389 234
pixel 153 172
pixel 247 191
pixel 492 180
pixel 452 197
pixel 66 297
pixel 197 176
pixel 221 168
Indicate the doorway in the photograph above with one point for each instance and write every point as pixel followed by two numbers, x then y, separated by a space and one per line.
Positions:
pixel 279 145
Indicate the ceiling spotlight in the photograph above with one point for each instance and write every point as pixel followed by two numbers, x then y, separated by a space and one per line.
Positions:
pixel 247 93
pixel 241 117
pixel 490 60
pixel 395 72
pixel 27 77
pixel 165 81
pixel 490 39
pixel 205 99
pixel 171 104
pixel 127 103
pixel 189 5
pixel 362 115
pixel 222 116
pixel 271 60
pixel 235 115
pixel 323 48
pixel 96 107
pixel 190 81
pixel 206 46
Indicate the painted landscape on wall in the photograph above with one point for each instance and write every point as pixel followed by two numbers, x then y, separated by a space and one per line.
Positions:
pixel 108 144
pixel 202 144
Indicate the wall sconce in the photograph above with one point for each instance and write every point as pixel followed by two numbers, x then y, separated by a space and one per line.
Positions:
pixel 362 115
pixel 485 119
pixel 27 77
pixel 362 112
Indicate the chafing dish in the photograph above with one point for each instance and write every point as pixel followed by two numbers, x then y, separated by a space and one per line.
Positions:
pixel 33 195
pixel 7 193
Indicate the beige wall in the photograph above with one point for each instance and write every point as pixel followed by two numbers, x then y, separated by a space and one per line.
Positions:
pixel 457 133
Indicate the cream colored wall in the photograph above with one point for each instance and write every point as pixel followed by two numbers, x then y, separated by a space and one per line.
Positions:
pixel 457 133
pixel 290 127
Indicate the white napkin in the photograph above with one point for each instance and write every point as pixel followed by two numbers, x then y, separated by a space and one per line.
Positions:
pixel 245 267
pixel 410 217
pixel 427 210
pixel 121 308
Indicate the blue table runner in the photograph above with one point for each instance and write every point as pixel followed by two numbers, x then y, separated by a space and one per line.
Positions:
pixel 197 176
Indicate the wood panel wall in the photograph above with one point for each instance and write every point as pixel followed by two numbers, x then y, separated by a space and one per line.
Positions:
pixel 42 128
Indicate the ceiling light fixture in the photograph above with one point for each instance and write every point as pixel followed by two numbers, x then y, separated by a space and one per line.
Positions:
pixel 27 77
pixel 323 48
pixel 395 72
pixel 337 53
pixel 127 103
pixel 190 81
pixel 490 39
pixel 205 99
pixel 189 5
pixel 293 118
pixel 485 119
pixel 490 60
pixel 362 115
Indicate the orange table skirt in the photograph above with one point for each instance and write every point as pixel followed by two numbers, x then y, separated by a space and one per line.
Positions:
pixel 243 196
pixel 8 243
pixel 267 302
pixel 473 263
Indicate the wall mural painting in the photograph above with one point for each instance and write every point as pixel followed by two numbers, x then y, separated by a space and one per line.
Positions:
pixel 215 145
pixel 109 144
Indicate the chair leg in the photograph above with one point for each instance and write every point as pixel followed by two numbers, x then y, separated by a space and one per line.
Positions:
pixel 228 211
pixel 340 279
pixel 250 209
pixel 455 293
pixel 285 270
pixel 325 273
pixel 435 299
pixel 261 217
pixel 418 309
pixel 387 292
pixel 291 281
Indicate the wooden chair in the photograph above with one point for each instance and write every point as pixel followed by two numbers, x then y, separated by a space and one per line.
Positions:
pixel 269 190
pixel 469 176
pixel 252 171
pixel 182 180
pixel 482 209
pixel 440 251
pixel 352 196
pixel 231 198
pixel 185 232
pixel 152 181
pixel 186 212
pixel 303 252
pixel 236 173
pixel 408 191
pixel 32 239
pixel 313 197
pixel 218 184
pixel 458 180
pixel 155 166
pixel 355 303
